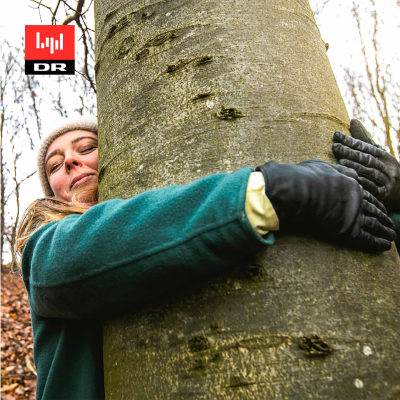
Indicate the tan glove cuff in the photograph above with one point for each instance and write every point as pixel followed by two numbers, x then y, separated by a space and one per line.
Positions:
pixel 259 209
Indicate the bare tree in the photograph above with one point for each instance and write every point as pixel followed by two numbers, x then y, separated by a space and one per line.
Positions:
pixel 19 108
pixel 374 94
pixel 318 6
pixel 83 84
pixel 24 104
pixel 4 77
pixel 77 15
pixel 370 76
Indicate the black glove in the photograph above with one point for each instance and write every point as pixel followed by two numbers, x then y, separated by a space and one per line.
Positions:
pixel 314 195
pixel 378 170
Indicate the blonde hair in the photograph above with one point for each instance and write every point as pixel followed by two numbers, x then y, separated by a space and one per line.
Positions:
pixel 49 209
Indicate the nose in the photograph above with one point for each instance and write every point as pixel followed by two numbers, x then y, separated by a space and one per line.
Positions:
pixel 71 159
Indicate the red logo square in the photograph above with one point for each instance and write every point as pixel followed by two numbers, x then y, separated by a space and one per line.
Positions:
pixel 49 42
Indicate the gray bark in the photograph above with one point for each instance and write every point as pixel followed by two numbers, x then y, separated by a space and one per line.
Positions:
pixel 190 88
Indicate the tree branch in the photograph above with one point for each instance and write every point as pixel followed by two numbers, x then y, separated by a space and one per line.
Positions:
pixel 77 14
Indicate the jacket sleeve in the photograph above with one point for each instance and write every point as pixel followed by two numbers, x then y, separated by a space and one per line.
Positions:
pixel 123 252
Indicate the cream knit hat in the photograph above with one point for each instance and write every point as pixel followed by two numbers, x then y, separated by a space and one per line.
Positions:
pixel 81 123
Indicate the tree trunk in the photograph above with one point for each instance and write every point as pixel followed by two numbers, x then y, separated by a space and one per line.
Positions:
pixel 190 88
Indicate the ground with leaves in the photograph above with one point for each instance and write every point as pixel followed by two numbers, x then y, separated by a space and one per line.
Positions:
pixel 18 375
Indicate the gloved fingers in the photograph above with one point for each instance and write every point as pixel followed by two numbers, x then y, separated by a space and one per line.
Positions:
pixel 348 141
pixel 370 243
pixel 359 132
pixel 372 226
pixel 372 199
pixel 351 173
pixel 369 160
pixel 365 159
pixel 372 174
pixel 371 210
pixel 378 192
pixel 369 186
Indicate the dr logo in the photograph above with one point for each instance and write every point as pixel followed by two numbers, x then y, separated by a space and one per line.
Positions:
pixel 49 49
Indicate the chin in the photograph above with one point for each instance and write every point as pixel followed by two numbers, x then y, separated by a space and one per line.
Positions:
pixel 86 193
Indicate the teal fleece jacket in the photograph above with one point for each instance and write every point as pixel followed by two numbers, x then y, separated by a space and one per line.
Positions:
pixel 121 253
pixel 396 220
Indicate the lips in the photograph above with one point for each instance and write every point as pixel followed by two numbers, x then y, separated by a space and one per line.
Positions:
pixel 78 178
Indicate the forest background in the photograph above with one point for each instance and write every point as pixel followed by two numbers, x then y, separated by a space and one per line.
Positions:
pixel 361 40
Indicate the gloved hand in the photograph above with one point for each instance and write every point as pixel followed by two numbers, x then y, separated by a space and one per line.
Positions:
pixel 378 170
pixel 314 195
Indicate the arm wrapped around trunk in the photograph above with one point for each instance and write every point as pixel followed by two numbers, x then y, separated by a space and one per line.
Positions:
pixel 122 252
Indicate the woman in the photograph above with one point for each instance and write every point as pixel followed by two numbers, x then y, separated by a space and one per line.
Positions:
pixel 82 261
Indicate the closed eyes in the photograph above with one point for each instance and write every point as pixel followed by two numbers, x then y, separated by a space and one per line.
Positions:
pixel 84 151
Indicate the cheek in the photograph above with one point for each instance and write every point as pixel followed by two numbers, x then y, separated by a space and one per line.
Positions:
pixel 93 160
pixel 57 184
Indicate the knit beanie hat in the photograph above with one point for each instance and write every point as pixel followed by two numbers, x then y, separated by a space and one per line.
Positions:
pixel 81 123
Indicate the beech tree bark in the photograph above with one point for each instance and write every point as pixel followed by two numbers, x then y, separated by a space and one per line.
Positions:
pixel 190 88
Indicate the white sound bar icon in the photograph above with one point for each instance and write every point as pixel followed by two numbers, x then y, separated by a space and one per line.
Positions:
pixel 53 44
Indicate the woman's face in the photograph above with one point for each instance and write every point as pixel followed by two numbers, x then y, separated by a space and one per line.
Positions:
pixel 72 162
